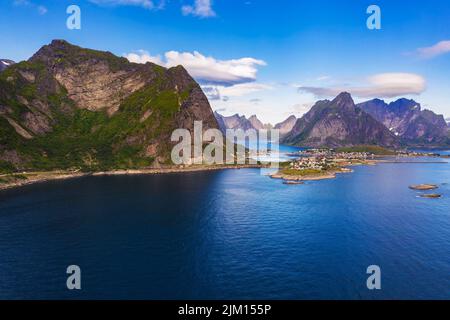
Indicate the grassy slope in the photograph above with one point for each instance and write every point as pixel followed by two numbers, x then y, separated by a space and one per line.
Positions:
pixel 81 138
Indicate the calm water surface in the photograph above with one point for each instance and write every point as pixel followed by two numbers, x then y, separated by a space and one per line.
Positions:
pixel 229 234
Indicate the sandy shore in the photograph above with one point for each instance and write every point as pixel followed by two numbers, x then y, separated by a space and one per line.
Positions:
pixel 37 177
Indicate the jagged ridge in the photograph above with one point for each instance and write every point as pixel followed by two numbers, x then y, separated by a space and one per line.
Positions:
pixel 339 123
pixel 406 119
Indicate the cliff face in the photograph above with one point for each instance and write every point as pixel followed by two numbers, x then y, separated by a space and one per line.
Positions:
pixel 286 126
pixel 406 119
pixel 339 123
pixel 256 123
pixel 73 107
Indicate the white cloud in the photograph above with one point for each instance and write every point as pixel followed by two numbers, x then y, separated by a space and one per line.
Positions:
pixel 323 78
pixel 237 90
pixel 26 3
pixel 142 56
pixel 147 4
pixel 42 10
pixel 209 69
pixel 300 109
pixel 201 8
pixel 242 89
pixel 435 50
pixel 384 85
pixel 220 79
pixel 206 70
pixel 212 93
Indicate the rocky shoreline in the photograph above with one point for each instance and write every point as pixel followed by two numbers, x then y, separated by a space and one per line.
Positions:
pixel 28 178
pixel 315 177
pixel 323 164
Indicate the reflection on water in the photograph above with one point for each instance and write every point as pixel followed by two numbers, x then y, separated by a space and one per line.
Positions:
pixel 229 234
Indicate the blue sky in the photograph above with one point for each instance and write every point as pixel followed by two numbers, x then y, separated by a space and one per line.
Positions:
pixel 252 56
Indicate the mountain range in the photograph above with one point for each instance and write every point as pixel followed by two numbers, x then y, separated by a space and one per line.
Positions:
pixel 70 107
pixel 339 123
pixel 406 119
pixel 237 121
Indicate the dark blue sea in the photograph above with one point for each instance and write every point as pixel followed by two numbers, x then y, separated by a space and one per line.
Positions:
pixel 233 234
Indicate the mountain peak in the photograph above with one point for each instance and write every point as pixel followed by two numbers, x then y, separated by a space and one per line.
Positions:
pixel 339 123
pixel 344 99
pixel 406 119
pixel 404 105
pixel 256 123
pixel 55 45
pixel 59 43
pixel 286 126
pixel 108 96
pixel 62 52
pixel 237 121
pixel 377 100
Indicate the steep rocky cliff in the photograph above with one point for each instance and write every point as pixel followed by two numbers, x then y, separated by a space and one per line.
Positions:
pixel 69 107
pixel 256 123
pixel 339 123
pixel 286 126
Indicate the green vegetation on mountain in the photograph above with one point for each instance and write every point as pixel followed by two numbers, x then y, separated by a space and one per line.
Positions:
pixel 122 121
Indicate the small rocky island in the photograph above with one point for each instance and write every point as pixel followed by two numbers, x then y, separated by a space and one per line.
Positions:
pixel 423 187
pixel 426 187
pixel 431 196
pixel 326 163
pixel 320 164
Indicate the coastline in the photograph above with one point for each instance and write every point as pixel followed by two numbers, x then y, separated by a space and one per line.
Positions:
pixel 318 177
pixel 45 176
pixel 344 169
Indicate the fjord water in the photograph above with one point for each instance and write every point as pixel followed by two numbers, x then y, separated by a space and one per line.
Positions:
pixel 232 234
